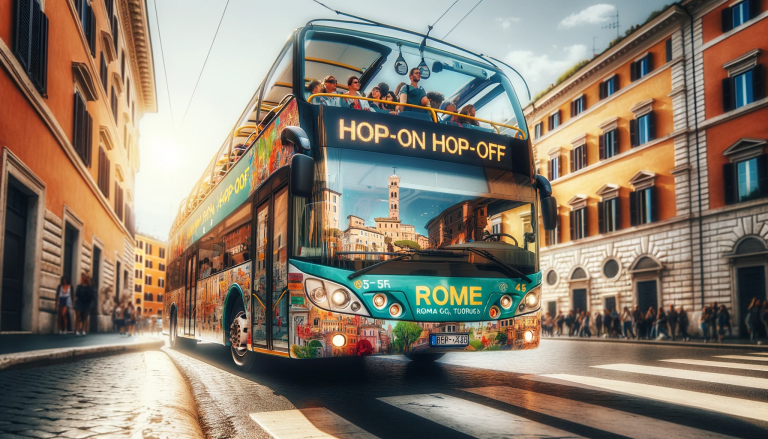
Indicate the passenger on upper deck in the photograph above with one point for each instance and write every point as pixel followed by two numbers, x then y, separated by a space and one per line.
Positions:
pixel 384 88
pixel 354 85
pixel 330 87
pixel 435 98
pixel 413 94
pixel 469 110
pixel 375 93
pixel 390 96
pixel 314 87
pixel 451 107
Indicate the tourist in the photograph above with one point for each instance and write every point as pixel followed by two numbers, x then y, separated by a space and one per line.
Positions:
pixel 84 296
pixel 672 321
pixel 64 291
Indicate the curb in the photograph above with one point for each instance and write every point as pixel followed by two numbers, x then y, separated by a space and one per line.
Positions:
pixel 46 357
pixel 750 347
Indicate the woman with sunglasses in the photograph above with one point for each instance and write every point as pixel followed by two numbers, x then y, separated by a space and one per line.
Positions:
pixel 354 85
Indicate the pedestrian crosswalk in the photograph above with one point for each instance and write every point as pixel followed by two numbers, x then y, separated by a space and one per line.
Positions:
pixel 528 408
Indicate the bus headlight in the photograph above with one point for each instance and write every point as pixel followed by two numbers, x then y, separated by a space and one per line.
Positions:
pixel 380 300
pixel 395 310
pixel 340 298
pixel 506 301
pixel 339 340
pixel 316 290
pixel 532 299
pixel 494 312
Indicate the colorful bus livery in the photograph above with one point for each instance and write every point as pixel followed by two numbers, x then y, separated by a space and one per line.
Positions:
pixel 328 227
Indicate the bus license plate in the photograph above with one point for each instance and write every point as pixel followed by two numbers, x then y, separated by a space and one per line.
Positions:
pixel 449 339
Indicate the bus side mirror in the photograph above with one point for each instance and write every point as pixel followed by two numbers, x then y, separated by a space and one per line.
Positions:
pixel 296 137
pixel 302 175
pixel 549 213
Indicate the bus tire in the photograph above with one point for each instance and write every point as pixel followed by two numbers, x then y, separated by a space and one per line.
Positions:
pixel 238 333
pixel 424 358
pixel 173 337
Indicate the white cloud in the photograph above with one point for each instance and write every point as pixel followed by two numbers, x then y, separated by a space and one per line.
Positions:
pixel 594 14
pixel 540 70
pixel 507 22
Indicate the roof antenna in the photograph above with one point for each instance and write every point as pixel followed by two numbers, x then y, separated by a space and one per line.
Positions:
pixel 344 13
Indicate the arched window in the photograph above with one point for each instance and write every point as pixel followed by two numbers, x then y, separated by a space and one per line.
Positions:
pixel 578 274
pixel 750 245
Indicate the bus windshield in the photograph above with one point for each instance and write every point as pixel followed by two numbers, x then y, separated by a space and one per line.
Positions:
pixel 370 207
pixel 342 53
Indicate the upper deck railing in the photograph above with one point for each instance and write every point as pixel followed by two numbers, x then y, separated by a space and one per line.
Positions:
pixel 433 111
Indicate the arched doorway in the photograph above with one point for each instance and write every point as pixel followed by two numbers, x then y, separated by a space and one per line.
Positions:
pixel 646 273
pixel 749 265
pixel 579 284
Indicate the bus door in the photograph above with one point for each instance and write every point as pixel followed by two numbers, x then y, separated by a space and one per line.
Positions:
pixel 190 296
pixel 270 318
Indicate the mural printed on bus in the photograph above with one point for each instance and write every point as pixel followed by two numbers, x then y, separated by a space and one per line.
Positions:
pixel 211 293
pixel 313 329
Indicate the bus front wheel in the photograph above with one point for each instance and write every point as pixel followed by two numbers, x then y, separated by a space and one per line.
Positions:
pixel 238 339
pixel 424 358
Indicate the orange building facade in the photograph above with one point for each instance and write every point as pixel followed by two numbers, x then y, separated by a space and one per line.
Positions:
pixel 77 77
pixel 149 275
pixel 618 141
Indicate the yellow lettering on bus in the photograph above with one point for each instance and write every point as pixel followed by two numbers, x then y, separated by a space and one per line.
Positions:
pixel 491 150
pixel 501 154
pixel 422 293
pixel 448 144
pixel 463 145
pixel 435 142
pixel 473 295
pixel 417 140
pixel 482 155
pixel 381 131
pixel 360 132
pixel 460 298
pixel 445 295
pixel 400 138
pixel 342 129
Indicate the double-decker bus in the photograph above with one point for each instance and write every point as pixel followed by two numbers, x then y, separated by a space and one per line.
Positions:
pixel 331 225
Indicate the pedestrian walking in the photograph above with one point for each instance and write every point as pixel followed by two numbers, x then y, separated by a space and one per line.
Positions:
pixel 728 321
pixel 119 320
pixel 649 318
pixel 579 317
pixel 672 321
pixel 559 320
pixel 660 325
pixel 753 319
pixel 682 324
pixel 637 321
pixel 626 323
pixel 615 323
pixel 703 322
pixel 64 291
pixel 712 323
pixel 547 326
pixel 128 317
pixel 84 295
pixel 607 322
pixel 598 323
pixel 722 322
pixel 569 321
pixel 585 330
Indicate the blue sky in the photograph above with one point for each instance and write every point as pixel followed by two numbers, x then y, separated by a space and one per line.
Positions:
pixel 540 39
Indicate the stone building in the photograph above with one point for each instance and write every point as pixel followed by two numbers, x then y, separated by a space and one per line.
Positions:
pixel 149 275
pixel 647 166
pixel 76 78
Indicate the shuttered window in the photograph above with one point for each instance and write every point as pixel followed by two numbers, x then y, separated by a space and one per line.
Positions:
pixel 30 42
pixel 82 129
pixel 109 6
pixel 609 87
pixel 642 67
pixel 115 32
pixel 609 144
pixel 104 170
pixel 555 168
pixel 578 158
pixel 738 14
pixel 553 236
pixel 553 120
pixel 744 88
pixel 668 49
pixel 643 206
pixel 128 92
pixel 103 72
pixel 119 201
pixel 113 103
pixel 538 130
pixel 746 180
pixel 579 228
pixel 643 129
pixel 609 215
pixel 578 106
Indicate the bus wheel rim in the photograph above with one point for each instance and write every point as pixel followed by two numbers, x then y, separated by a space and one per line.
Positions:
pixel 237 334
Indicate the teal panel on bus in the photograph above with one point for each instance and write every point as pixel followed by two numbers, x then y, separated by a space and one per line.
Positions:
pixel 431 298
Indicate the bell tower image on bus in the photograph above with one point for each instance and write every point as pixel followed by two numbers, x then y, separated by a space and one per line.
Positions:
pixel 394 195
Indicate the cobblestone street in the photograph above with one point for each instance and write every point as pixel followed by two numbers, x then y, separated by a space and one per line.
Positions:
pixel 100 397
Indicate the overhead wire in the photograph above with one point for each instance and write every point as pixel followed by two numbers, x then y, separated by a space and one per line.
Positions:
pixel 165 70
pixel 446 11
pixel 204 63
pixel 454 27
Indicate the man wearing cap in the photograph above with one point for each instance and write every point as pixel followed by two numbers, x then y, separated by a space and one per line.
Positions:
pixel 330 87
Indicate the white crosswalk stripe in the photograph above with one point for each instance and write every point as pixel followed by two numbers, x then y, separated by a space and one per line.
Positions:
pixel 590 415
pixel 742 357
pixel 720 378
pixel 758 353
pixel 314 423
pixel 706 401
pixel 722 364
pixel 473 419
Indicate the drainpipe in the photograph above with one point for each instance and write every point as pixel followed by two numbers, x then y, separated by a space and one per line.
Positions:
pixel 698 162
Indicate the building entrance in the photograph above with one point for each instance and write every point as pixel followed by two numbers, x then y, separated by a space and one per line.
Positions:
pixel 751 285
pixel 580 300
pixel 13 259
pixel 647 295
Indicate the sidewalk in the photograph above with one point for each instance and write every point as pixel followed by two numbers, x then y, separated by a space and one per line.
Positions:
pixel 730 343
pixel 18 350
pixel 139 394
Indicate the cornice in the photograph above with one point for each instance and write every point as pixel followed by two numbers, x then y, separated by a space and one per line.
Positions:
pixel 670 17
pixel 133 14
